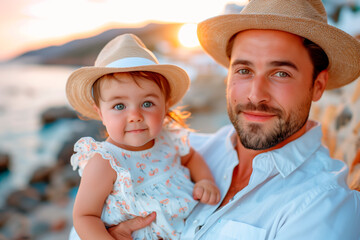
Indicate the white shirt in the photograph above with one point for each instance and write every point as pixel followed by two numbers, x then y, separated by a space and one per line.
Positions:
pixel 295 192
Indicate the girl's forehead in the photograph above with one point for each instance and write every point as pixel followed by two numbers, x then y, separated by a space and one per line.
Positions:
pixel 127 81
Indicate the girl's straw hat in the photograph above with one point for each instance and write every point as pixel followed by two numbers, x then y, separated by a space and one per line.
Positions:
pixel 305 18
pixel 124 53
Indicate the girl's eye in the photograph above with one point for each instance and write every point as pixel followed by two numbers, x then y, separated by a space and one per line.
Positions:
pixel 119 106
pixel 147 104
pixel 281 74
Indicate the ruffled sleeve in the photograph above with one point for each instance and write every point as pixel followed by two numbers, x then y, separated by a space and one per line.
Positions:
pixel 84 149
pixel 180 138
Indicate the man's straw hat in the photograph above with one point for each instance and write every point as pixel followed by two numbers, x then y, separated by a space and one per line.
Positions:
pixel 305 18
pixel 124 53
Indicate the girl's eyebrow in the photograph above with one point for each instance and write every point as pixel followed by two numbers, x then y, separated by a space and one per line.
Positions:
pixel 152 95
pixel 114 98
pixel 125 97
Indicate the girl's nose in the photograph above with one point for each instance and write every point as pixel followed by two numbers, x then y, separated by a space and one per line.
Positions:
pixel 135 116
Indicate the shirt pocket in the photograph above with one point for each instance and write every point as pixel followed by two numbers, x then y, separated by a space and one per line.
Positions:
pixel 233 230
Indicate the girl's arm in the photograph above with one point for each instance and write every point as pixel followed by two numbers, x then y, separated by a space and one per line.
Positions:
pixel 96 184
pixel 205 188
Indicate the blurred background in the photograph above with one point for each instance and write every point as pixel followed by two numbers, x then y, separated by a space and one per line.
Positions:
pixel 43 41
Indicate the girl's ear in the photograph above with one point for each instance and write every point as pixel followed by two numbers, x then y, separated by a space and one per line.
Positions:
pixel 320 85
pixel 97 109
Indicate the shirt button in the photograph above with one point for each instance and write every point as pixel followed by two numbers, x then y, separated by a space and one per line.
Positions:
pixel 225 177
pixel 195 222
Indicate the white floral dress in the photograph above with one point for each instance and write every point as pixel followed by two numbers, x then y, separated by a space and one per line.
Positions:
pixel 147 181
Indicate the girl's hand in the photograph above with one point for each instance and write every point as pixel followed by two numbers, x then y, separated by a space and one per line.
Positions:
pixel 206 192
pixel 123 230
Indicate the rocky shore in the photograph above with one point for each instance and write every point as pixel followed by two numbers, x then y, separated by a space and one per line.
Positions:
pixel 43 209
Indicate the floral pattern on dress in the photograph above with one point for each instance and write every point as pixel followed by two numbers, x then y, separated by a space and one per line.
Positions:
pixel 147 181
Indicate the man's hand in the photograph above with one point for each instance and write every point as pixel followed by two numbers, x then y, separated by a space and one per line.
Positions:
pixel 206 192
pixel 123 230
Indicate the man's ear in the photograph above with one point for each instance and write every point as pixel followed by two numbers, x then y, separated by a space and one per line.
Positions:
pixel 320 85
pixel 97 109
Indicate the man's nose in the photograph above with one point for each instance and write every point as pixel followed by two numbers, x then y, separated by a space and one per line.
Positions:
pixel 259 90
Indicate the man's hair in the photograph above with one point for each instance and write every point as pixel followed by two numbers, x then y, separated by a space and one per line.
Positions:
pixel 318 57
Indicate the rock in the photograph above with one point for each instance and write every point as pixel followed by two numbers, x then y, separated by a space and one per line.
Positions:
pixel 54 113
pixel 4 162
pixel 16 228
pixel 40 228
pixel 50 218
pixel 91 128
pixel 42 174
pixel 24 200
pixel 5 215
pixel 58 225
pixel 62 181
pixel 343 118
pixel 66 151
pixel 2 237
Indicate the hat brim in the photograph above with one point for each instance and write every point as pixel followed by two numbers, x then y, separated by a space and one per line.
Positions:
pixel 342 49
pixel 80 82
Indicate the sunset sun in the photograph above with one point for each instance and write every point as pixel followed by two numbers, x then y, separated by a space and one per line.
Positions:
pixel 187 35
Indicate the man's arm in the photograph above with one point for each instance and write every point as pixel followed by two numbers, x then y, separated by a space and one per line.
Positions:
pixel 331 216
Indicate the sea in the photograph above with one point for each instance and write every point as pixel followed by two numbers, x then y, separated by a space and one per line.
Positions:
pixel 26 91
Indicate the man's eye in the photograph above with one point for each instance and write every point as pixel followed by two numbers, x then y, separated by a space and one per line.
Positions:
pixel 244 71
pixel 281 74
pixel 147 104
pixel 119 106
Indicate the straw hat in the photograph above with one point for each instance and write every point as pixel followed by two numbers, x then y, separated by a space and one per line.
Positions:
pixel 305 18
pixel 124 53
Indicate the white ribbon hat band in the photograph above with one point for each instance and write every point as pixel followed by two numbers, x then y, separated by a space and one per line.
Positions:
pixel 130 62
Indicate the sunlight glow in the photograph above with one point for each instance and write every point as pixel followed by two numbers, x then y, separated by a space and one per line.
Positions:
pixel 187 35
pixel 32 24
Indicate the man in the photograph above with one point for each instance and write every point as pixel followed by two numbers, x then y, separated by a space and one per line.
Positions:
pixel 276 179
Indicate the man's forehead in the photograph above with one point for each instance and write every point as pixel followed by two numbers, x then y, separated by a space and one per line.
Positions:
pixel 266 42
pixel 250 33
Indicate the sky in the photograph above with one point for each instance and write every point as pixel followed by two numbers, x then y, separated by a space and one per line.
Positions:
pixel 32 24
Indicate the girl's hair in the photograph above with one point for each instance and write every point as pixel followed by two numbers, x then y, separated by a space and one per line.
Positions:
pixel 172 116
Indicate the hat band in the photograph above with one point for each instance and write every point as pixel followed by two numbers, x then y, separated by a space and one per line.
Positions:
pixel 127 62
pixel 130 62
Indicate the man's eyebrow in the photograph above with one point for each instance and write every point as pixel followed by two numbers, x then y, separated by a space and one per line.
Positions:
pixel 242 62
pixel 272 64
pixel 284 63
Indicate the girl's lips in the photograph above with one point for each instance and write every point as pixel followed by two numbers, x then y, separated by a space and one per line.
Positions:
pixel 136 131
pixel 258 116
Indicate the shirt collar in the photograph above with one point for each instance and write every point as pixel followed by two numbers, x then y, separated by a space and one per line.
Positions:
pixel 288 158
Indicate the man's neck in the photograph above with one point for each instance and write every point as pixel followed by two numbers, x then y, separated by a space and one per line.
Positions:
pixel 242 172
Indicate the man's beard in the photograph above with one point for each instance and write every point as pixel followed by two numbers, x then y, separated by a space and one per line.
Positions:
pixel 257 136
